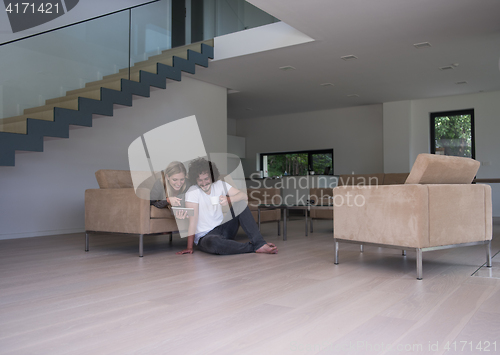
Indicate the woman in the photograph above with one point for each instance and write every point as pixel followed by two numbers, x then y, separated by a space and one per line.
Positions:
pixel 171 191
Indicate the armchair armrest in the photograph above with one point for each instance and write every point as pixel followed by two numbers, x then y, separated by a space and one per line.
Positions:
pixel 459 213
pixel 117 211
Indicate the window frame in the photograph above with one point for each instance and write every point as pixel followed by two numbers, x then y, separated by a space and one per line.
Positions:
pixel 309 153
pixel 469 111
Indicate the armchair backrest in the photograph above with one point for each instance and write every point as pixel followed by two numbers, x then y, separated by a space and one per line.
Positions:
pixel 114 179
pixel 122 179
pixel 442 169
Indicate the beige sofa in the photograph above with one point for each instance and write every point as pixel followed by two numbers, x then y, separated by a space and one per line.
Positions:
pixel 115 208
pixel 436 208
pixel 270 196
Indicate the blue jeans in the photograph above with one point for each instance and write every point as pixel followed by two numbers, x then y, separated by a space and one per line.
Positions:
pixel 220 240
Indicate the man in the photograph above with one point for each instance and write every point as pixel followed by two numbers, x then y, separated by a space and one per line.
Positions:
pixel 211 230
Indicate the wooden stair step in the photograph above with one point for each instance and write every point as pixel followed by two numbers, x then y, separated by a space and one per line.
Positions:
pixel 166 57
pixel 69 104
pixel 134 74
pixel 92 93
pixel 17 124
pixel 178 52
pixel 114 84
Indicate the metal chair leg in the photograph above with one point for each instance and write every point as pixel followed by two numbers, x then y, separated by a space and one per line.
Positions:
pixel 361 248
pixel 307 225
pixel 279 228
pixel 170 237
pixel 311 221
pixel 141 245
pixel 403 252
pixel 488 254
pixel 419 264
pixel 336 254
pixel 86 241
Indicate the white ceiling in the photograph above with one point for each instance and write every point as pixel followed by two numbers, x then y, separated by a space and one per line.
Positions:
pixel 381 33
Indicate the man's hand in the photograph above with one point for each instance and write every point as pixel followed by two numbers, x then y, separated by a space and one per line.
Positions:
pixel 223 200
pixel 185 251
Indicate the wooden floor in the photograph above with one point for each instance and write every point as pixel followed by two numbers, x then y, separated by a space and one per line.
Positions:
pixel 57 299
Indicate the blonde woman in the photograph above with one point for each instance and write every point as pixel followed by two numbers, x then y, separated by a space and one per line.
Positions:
pixel 170 191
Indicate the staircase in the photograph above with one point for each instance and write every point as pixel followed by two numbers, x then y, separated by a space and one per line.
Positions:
pixel 26 132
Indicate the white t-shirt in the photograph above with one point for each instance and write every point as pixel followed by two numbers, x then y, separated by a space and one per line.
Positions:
pixel 209 216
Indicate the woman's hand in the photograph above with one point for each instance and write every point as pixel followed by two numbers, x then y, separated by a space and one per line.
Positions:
pixel 174 201
pixel 185 251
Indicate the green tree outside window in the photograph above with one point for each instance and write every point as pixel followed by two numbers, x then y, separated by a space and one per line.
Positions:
pixel 453 133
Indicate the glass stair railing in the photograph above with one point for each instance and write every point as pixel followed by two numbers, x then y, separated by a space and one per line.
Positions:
pixel 52 75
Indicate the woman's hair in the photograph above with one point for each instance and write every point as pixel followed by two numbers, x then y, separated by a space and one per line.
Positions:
pixel 173 168
pixel 201 166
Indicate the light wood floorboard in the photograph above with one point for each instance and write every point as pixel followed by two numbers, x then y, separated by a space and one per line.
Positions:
pixel 57 299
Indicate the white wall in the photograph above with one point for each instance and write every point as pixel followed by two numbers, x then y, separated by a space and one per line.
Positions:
pixel 396 137
pixel 355 134
pixel 231 126
pixel 487 127
pixel 44 193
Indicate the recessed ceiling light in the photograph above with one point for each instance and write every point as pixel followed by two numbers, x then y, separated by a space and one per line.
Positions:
pixel 353 95
pixel 231 91
pixel 422 45
pixel 349 57
pixel 460 82
pixel 287 67
pixel 326 84
pixel 447 67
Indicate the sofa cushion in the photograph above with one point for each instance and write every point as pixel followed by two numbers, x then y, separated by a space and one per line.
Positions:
pixel 442 169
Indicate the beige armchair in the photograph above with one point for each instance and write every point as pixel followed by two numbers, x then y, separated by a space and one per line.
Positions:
pixel 115 208
pixel 436 208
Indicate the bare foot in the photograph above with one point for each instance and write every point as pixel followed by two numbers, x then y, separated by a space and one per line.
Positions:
pixel 268 248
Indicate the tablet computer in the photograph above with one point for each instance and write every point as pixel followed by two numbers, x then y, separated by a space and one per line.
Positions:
pixel 190 211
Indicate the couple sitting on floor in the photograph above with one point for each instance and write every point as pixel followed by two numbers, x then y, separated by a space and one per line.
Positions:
pixel 209 228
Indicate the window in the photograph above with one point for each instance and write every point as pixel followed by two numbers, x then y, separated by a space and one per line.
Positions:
pixel 297 163
pixel 452 133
